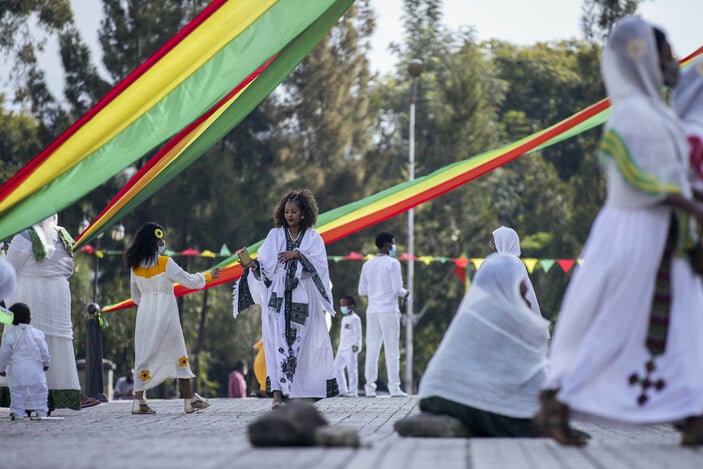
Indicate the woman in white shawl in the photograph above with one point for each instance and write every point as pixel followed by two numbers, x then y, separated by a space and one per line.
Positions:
pixel 688 104
pixel 293 278
pixel 42 257
pixel 492 360
pixel 627 341
pixel 506 240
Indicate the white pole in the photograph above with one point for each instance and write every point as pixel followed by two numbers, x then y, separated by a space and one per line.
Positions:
pixel 410 317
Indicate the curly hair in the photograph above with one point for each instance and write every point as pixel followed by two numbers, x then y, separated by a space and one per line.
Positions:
pixel 306 203
pixel 145 245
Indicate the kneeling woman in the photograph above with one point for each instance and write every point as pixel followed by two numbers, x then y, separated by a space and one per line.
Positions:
pixel 491 362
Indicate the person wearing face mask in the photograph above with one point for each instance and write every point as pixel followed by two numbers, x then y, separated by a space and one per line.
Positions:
pixel 348 349
pixel 382 283
pixel 627 341
pixel 160 350
pixel 42 257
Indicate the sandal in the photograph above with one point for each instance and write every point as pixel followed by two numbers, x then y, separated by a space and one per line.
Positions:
pixel 552 420
pixel 201 403
pixel 692 431
pixel 139 406
pixel 278 401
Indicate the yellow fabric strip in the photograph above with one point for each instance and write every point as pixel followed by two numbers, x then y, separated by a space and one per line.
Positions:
pixel 161 79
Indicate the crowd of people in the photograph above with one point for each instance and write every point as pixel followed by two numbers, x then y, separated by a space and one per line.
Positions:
pixel 625 346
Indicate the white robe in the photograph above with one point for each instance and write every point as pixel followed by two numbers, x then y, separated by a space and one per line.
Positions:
pixel 599 343
pixel 493 357
pixel 311 354
pixel 43 286
pixel 24 354
pixel 160 350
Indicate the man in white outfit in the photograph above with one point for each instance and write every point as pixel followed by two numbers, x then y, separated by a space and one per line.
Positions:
pixel 349 347
pixel 382 283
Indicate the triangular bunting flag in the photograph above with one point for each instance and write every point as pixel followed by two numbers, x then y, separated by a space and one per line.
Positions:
pixel 224 251
pixel 425 259
pixel 530 264
pixel 353 256
pixel 566 264
pixel 546 264
pixel 208 253
pixel 477 262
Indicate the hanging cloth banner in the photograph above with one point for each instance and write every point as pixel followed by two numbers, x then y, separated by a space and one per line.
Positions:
pixel 353 217
pixel 224 45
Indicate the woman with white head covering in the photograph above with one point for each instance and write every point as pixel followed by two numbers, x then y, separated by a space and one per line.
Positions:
pixel 627 342
pixel 492 360
pixel 43 260
pixel 506 240
pixel 688 104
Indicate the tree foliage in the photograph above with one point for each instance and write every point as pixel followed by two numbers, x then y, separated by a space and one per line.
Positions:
pixel 341 131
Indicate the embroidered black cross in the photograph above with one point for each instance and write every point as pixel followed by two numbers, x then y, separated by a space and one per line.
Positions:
pixel 647 382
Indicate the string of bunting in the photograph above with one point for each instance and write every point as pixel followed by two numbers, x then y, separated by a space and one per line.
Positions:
pixel 461 262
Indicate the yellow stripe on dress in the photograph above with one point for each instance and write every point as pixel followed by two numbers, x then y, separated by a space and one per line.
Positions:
pixel 154 270
pixel 612 145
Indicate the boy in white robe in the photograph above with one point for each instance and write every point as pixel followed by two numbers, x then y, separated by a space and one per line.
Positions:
pixel 348 349
pixel 25 355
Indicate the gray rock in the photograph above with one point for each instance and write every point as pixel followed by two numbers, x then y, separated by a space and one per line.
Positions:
pixel 328 435
pixel 293 424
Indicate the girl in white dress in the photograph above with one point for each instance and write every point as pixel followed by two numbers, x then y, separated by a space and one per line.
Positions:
pixel 160 350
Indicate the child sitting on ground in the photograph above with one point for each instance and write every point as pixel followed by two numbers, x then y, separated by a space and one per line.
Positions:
pixel 24 349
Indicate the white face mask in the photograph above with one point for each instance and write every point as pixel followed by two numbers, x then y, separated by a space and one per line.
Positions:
pixel 345 309
pixel 162 248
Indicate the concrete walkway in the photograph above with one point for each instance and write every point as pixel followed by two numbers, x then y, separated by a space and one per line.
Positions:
pixel 108 436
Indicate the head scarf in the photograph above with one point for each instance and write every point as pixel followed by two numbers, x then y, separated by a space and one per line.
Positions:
pixel 507 241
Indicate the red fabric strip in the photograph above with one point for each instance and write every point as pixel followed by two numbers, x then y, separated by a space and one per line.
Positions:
pixel 29 168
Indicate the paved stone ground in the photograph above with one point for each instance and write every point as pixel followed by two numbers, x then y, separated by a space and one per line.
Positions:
pixel 108 436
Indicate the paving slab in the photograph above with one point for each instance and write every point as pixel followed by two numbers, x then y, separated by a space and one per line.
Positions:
pixel 108 436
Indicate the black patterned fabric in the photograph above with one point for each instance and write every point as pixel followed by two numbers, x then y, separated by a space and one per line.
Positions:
pixel 58 398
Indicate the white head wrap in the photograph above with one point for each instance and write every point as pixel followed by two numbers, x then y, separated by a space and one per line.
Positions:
pixel 507 241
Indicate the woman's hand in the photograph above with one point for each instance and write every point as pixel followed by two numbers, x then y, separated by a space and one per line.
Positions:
pixel 288 255
pixel 215 273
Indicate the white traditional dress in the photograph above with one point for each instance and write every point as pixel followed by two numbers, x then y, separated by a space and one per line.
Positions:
pixel 493 357
pixel 160 350
pixel 294 297
pixel 688 104
pixel 43 262
pixel 507 241
pixel 627 344
pixel 24 354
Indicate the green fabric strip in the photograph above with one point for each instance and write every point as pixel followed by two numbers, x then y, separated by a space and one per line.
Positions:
pixel 283 22
pixel 284 63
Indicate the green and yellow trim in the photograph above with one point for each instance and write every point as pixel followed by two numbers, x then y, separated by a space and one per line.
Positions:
pixel 613 146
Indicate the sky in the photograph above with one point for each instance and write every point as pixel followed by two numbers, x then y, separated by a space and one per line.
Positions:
pixel 526 22
pixel 522 22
